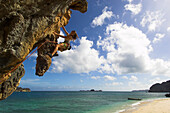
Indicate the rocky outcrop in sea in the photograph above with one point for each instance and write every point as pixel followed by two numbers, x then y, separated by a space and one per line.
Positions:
pixel 25 25
pixel 20 89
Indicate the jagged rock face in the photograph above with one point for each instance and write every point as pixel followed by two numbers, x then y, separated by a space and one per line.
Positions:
pixel 10 85
pixel 26 24
pixel 163 87
pixel 43 59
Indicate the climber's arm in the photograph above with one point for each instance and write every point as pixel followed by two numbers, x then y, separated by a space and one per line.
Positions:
pixel 64 29
pixel 60 35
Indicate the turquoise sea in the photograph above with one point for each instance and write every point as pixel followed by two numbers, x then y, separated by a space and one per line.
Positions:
pixel 72 101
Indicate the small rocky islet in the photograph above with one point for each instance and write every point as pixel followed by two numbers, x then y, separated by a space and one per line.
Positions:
pixel 20 89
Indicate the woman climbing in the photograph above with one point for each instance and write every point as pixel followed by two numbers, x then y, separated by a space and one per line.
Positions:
pixel 66 44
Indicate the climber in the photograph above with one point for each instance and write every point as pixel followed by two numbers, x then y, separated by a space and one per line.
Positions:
pixel 66 44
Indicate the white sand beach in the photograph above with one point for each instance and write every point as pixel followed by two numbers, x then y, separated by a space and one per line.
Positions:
pixel 156 106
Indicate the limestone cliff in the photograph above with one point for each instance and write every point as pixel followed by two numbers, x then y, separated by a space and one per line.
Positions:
pixel 163 87
pixel 10 85
pixel 25 25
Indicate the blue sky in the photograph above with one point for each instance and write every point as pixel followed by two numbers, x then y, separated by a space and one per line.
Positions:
pixel 123 45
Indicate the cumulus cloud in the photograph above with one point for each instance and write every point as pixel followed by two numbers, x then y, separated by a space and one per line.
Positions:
pixel 160 67
pixel 124 77
pixel 114 84
pixel 107 77
pixel 158 37
pixel 99 21
pixel 34 55
pixel 155 80
pixel 133 78
pixel 152 20
pixel 130 1
pixel 134 8
pixel 82 59
pixel 168 29
pixel 128 50
pixel 61 39
pixel 95 77
pixel 136 85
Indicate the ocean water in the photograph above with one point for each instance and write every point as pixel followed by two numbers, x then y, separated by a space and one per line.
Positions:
pixel 72 102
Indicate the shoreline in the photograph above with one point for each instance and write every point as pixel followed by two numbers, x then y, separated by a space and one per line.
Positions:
pixel 160 105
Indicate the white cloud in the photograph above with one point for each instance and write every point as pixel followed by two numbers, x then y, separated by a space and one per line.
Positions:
pixel 155 80
pixel 106 68
pixel 168 29
pixel 82 59
pixel 124 77
pixel 134 8
pixel 61 39
pixel 107 77
pixel 160 67
pixel 114 84
pixel 136 85
pixel 158 37
pixel 133 78
pixel 130 1
pixel 95 77
pixel 153 20
pixel 128 50
pixel 99 21
pixel 34 55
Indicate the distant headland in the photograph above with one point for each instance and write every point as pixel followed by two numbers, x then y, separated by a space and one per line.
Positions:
pixel 20 89
pixel 160 87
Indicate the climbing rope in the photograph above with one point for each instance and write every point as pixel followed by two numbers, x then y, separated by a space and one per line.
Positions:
pixel 8 74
